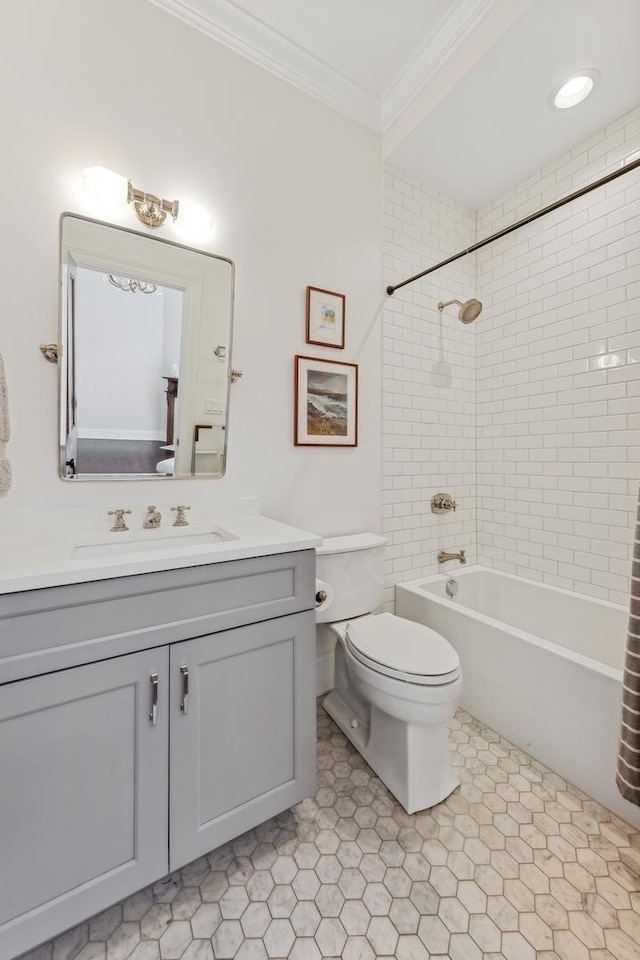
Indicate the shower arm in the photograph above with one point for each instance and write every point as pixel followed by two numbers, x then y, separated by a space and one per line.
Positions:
pixel 626 168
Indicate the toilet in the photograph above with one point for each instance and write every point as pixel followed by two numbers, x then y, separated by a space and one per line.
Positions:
pixel 396 683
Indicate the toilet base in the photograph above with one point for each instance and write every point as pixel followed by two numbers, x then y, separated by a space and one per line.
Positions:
pixel 412 761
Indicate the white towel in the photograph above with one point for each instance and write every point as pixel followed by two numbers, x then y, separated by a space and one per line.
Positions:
pixel 5 430
pixel 5 477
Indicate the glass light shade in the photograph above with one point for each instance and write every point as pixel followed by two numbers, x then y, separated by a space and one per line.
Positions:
pixel 104 188
pixel 573 92
pixel 194 222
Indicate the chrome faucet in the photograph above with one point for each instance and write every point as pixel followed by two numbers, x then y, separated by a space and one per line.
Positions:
pixel 118 524
pixel 460 557
pixel 152 519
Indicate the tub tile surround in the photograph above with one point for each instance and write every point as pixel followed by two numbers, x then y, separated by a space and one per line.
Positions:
pixel 558 381
pixel 531 431
pixel 428 383
pixel 517 864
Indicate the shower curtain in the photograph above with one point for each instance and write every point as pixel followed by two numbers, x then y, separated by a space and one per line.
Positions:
pixel 628 778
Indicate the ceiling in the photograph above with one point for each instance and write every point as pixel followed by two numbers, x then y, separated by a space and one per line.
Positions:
pixel 459 89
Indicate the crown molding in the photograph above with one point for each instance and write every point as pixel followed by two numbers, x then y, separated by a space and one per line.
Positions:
pixel 238 30
pixel 253 39
pixel 450 33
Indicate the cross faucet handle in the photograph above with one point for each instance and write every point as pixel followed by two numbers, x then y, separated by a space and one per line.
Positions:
pixel 181 520
pixel 443 503
pixel 119 524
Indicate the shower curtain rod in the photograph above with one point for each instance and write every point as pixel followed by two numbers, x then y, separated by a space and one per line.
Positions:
pixel 391 289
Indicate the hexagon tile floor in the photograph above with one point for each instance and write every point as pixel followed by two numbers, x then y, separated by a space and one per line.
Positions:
pixel 516 864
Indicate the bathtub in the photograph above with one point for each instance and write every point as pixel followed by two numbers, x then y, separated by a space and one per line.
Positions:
pixel 541 666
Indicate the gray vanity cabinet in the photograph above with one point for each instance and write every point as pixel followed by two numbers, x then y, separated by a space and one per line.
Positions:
pixel 103 787
pixel 240 733
pixel 82 770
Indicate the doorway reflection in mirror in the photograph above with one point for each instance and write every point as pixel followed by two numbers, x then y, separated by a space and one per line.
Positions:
pixel 125 423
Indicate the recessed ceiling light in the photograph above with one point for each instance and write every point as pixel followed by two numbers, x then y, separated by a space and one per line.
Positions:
pixel 574 91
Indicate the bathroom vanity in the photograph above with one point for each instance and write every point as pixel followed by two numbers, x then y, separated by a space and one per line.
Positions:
pixel 147 718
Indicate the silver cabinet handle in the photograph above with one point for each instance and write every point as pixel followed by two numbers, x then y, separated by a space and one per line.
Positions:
pixel 184 703
pixel 153 716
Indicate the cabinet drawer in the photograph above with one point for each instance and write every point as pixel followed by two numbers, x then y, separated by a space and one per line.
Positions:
pixel 60 627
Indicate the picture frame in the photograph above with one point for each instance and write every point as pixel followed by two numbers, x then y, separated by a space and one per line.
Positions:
pixel 326 403
pixel 325 318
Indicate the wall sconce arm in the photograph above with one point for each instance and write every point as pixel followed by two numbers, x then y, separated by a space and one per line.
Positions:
pixel 50 351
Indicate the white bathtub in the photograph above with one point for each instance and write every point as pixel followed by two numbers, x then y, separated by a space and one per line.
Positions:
pixel 540 665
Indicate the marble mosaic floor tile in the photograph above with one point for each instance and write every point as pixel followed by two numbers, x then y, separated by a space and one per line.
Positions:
pixel 516 865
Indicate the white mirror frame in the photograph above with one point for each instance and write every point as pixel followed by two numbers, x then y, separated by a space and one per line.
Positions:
pixel 117 250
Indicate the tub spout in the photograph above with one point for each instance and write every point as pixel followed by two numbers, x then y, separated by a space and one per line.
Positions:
pixel 460 557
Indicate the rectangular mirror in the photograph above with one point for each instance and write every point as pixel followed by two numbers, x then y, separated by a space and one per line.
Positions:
pixel 146 349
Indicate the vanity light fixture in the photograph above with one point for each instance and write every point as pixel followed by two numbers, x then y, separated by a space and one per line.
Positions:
pixel 108 190
pixel 195 222
pixel 111 189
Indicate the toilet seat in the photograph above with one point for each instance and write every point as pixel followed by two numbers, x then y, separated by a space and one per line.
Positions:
pixel 402 649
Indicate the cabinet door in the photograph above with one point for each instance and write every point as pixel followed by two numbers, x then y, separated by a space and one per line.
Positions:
pixel 83 793
pixel 242 745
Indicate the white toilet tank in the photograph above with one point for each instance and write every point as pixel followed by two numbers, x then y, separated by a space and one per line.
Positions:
pixel 351 571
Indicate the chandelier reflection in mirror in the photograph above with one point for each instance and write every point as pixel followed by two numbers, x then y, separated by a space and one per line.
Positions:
pixel 130 285
pixel 109 191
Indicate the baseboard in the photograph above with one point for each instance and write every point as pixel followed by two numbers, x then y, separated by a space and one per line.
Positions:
pixel 324 674
pixel 325 646
pixel 97 433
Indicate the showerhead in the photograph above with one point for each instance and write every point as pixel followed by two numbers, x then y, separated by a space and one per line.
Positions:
pixel 469 311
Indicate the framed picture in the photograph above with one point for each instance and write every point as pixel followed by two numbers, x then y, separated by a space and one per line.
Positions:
pixel 325 318
pixel 326 403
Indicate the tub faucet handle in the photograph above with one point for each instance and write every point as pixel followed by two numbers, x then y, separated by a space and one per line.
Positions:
pixel 443 503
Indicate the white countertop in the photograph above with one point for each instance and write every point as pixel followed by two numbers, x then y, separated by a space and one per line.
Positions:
pixel 30 562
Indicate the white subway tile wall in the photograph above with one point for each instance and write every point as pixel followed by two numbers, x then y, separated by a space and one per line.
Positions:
pixel 558 379
pixel 428 384
pixel 530 417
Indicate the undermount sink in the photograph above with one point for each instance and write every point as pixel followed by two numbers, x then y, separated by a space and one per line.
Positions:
pixel 124 543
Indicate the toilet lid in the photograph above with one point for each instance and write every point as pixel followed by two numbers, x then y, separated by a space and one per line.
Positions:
pixel 403 649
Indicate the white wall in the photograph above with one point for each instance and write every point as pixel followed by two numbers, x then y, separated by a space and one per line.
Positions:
pixel 295 191
pixel 428 382
pixel 559 432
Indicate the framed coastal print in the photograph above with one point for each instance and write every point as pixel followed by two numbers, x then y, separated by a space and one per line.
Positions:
pixel 325 318
pixel 326 403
